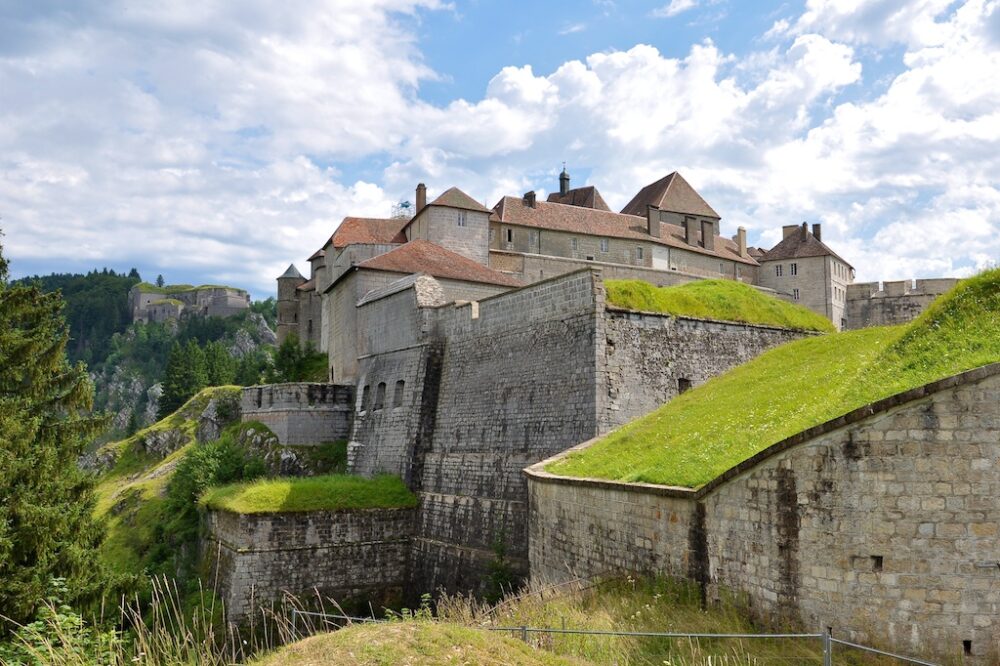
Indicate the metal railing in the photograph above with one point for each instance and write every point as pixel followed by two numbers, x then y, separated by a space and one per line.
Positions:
pixel 827 642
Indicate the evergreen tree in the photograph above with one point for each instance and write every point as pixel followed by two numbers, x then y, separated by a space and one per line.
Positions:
pixel 185 375
pixel 220 367
pixel 134 275
pixel 159 281
pixel 47 527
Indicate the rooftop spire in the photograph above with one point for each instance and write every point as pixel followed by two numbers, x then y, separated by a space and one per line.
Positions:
pixel 563 182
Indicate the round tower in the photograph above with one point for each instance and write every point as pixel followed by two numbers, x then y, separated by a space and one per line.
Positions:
pixel 288 302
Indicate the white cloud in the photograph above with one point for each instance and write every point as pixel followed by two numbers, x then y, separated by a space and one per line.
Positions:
pixel 674 7
pixel 203 139
pixel 573 28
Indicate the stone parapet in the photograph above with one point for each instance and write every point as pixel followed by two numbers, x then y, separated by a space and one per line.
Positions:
pixel 301 413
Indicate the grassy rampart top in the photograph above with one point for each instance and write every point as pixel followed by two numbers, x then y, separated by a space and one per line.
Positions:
pixel 415 644
pixel 702 433
pixel 335 492
pixel 727 300
pixel 168 289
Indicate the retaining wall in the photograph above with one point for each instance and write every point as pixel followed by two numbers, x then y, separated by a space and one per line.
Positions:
pixel 301 413
pixel 881 526
pixel 344 555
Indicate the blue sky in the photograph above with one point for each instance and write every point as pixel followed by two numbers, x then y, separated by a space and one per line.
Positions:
pixel 217 142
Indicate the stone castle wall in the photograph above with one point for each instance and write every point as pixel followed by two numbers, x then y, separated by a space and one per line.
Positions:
pixel 255 559
pixel 651 358
pixel 880 525
pixel 301 413
pixel 888 303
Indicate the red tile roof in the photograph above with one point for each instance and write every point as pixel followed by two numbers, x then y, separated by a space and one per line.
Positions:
pixel 421 256
pixel 798 245
pixel 671 193
pixel 309 285
pixel 592 222
pixel 585 197
pixel 369 231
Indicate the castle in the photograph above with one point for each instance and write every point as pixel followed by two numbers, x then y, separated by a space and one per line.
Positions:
pixel 147 302
pixel 467 344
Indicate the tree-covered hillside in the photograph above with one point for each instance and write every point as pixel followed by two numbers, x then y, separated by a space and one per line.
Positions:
pixel 96 309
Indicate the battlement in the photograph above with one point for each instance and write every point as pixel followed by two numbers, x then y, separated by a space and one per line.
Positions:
pixel 888 303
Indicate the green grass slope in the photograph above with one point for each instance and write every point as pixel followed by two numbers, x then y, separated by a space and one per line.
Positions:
pixel 333 492
pixel 415 644
pixel 714 299
pixel 702 433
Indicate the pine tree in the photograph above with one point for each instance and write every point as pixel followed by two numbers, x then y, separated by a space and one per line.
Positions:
pixel 220 367
pixel 47 527
pixel 159 281
pixel 185 375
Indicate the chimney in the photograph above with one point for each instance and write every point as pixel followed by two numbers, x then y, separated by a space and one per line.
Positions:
pixel 788 230
pixel 708 234
pixel 421 197
pixel 653 220
pixel 816 232
pixel 529 199
pixel 805 232
pixel 741 241
pixel 563 182
pixel 690 231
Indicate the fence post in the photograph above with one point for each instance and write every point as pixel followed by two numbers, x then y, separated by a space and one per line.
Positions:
pixel 827 650
pixel 524 633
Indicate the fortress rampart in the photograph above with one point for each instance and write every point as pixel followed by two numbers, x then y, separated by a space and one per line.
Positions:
pixel 257 558
pixel 880 526
pixel 888 303
pixel 300 413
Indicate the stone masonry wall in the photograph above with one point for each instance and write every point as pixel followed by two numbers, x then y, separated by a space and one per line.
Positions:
pixel 880 526
pixel 301 413
pixel 517 383
pixel 342 555
pixel 874 304
pixel 650 358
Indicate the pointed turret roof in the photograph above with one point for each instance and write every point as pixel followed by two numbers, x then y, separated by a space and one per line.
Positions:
pixel 671 193
pixel 291 272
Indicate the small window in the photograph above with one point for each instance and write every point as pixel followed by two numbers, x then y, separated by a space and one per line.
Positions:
pixel 795 294
pixel 793 269
pixel 683 385
pixel 509 234
pixel 380 396
pixel 604 245
pixel 461 218
pixel 365 397
pixel 533 238
pixel 590 257
pixel 722 268
pixel 397 395
pixel 877 563
pixel 638 253
pixel 309 327
pixel 777 270
pixel 573 243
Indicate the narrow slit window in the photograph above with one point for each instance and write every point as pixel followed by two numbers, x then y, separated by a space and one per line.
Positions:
pixel 397 395
pixel 366 395
pixel 380 396
pixel 461 218
pixel 509 235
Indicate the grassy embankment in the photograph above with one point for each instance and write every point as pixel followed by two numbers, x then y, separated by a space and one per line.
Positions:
pixel 725 300
pixel 334 492
pixel 702 433
pixel 168 289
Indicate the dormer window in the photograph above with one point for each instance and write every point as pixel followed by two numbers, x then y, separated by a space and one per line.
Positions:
pixel 461 218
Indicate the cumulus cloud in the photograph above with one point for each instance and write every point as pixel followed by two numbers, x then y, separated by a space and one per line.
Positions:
pixel 194 137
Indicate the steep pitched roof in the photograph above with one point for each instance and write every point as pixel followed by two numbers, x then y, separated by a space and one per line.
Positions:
pixel 291 272
pixel 592 222
pixel 585 197
pixel 421 256
pixel 671 193
pixel 318 254
pixel 308 285
pixel 369 231
pixel 456 198
pixel 799 245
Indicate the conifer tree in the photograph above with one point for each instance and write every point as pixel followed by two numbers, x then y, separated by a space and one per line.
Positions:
pixel 185 375
pixel 47 527
pixel 220 367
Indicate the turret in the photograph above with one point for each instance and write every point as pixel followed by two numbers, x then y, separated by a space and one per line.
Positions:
pixel 288 302
pixel 563 182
